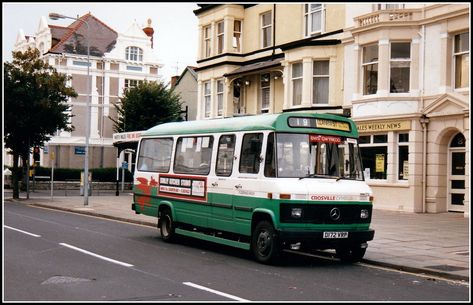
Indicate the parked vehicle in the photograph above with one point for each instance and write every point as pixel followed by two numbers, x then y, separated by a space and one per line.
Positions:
pixel 262 183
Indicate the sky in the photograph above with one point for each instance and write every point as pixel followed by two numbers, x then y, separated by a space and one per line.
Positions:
pixel 175 25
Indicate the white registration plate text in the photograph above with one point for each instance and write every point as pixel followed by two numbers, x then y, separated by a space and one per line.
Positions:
pixel 335 234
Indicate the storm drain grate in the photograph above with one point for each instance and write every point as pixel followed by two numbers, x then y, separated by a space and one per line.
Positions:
pixel 446 268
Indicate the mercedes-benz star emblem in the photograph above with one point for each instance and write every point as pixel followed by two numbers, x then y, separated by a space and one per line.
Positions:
pixel 335 213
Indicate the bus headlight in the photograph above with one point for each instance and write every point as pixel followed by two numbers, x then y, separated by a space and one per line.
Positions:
pixel 296 212
pixel 364 214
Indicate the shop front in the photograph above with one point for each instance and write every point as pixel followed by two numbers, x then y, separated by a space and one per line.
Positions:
pixel 419 163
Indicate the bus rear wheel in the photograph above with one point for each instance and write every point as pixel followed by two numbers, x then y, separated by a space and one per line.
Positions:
pixel 166 226
pixel 264 243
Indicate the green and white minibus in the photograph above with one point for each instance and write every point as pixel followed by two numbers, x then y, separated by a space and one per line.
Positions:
pixel 264 183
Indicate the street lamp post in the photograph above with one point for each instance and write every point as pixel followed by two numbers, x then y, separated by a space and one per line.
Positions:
pixel 55 16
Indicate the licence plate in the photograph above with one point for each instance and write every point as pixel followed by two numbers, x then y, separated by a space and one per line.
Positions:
pixel 335 234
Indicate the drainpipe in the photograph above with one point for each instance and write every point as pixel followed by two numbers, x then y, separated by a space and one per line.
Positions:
pixel 424 121
pixel 274 30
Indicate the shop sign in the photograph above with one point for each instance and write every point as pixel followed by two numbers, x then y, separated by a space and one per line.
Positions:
pixel 132 136
pixel 380 163
pixel 383 126
pixel 406 169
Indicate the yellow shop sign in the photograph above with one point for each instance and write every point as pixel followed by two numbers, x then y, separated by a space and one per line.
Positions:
pixel 383 126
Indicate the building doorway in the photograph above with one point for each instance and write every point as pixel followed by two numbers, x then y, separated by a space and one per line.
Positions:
pixel 456 174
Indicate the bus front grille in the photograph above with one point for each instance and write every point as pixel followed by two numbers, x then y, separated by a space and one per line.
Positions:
pixel 325 213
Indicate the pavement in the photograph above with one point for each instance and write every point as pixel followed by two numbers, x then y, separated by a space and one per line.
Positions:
pixel 436 245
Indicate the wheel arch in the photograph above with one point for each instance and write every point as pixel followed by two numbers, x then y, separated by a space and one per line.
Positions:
pixel 163 205
pixel 260 215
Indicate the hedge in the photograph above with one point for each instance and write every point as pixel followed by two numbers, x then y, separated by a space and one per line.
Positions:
pixel 98 174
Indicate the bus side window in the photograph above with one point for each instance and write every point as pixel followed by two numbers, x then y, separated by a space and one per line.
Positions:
pixel 193 155
pixel 225 154
pixel 155 155
pixel 269 161
pixel 251 153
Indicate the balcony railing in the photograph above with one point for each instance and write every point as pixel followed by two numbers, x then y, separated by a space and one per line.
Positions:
pixel 388 16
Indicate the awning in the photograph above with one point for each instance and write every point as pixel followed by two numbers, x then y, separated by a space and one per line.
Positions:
pixel 255 67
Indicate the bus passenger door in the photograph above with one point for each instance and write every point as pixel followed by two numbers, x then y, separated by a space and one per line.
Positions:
pixel 247 184
pixel 221 187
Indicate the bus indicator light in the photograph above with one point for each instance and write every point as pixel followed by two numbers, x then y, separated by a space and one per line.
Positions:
pixel 285 196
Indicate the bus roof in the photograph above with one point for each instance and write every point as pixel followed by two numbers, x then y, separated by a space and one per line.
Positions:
pixel 276 122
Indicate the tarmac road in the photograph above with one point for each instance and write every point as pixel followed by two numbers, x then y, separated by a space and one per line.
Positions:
pixel 56 256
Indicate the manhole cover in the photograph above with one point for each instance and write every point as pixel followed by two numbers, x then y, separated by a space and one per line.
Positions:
pixel 446 268
pixel 63 280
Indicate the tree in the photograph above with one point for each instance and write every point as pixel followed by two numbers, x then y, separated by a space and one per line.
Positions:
pixel 147 105
pixel 35 97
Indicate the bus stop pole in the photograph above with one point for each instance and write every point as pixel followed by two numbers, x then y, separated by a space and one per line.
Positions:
pixel 123 179
pixel 118 173
pixel 52 174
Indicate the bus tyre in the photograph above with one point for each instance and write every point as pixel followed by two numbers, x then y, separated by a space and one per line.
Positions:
pixel 166 226
pixel 351 254
pixel 264 243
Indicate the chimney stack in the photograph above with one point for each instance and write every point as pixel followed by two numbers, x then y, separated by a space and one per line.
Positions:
pixel 174 81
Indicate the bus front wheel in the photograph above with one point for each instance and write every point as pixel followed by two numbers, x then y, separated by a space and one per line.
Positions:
pixel 264 243
pixel 166 226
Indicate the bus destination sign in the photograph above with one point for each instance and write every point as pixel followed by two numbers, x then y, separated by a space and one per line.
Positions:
pixel 301 122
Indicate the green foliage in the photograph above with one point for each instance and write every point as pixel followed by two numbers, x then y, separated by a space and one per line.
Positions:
pixel 35 99
pixel 35 105
pixel 145 106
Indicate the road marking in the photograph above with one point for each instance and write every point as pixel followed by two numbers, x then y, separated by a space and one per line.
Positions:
pixel 96 255
pixel 216 292
pixel 28 233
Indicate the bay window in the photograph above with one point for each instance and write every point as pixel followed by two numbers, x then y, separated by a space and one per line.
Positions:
pixel 237 35
pixel 370 69
pixel 207 99
pixel 207 41
pixel 400 67
pixel 220 37
pixel 220 97
pixel 296 82
pixel 320 82
pixel 462 60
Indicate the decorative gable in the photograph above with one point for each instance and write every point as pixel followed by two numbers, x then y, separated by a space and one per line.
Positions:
pixel 134 36
pixel 447 104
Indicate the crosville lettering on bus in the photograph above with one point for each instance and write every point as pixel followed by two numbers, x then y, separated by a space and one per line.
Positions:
pixel 322 197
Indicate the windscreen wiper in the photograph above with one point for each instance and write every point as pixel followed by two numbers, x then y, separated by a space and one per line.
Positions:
pixel 314 176
pixel 320 176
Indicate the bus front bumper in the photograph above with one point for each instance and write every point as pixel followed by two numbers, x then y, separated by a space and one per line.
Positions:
pixel 320 240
